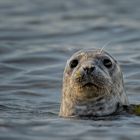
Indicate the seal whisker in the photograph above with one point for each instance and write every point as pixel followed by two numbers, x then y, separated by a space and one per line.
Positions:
pixel 100 51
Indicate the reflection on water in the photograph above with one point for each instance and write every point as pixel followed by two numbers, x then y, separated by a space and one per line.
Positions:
pixel 36 39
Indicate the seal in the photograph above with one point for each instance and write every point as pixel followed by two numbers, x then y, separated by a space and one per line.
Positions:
pixel 92 85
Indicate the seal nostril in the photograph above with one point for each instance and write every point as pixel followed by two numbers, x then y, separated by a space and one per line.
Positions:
pixel 89 69
pixel 92 68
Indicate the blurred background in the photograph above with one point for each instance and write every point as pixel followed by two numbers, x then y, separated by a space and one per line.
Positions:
pixel 36 39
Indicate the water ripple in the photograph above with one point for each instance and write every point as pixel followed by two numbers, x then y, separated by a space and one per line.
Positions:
pixel 37 37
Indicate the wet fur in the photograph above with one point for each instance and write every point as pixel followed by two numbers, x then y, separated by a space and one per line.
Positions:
pixel 99 100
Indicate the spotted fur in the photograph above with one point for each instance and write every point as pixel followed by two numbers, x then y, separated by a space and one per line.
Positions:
pixel 92 92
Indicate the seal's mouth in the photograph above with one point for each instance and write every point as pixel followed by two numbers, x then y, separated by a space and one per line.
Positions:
pixel 89 84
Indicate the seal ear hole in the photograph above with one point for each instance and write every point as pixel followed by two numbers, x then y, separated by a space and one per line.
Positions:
pixel 73 63
pixel 107 63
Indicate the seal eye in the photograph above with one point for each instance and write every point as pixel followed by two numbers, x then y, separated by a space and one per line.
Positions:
pixel 107 63
pixel 74 63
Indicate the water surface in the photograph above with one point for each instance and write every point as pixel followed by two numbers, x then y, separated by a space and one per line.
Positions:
pixel 36 39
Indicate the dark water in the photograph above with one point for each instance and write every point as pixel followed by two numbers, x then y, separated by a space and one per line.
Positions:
pixel 36 39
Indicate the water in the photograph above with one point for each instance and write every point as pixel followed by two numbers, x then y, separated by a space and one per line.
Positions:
pixel 36 39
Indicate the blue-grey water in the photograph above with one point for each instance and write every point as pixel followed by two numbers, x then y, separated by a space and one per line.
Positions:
pixel 36 39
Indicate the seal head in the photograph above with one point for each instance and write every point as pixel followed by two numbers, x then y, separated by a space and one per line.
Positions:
pixel 92 85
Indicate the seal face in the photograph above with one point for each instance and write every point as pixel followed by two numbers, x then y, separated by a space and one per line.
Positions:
pixel 92 85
